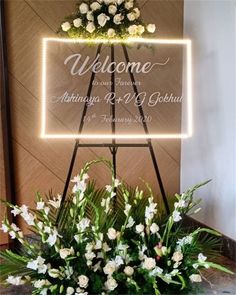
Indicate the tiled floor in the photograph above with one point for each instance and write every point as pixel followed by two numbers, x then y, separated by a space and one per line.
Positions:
pixel 215 282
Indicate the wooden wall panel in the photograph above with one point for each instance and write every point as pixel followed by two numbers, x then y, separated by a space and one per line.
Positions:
pixel 42 164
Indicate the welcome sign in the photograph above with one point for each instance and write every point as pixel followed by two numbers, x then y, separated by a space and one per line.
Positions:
pixel 139 88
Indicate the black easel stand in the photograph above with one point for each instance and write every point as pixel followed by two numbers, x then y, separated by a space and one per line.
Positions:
pixel 114 146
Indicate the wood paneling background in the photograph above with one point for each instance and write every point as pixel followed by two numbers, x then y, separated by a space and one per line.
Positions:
pixel 42 164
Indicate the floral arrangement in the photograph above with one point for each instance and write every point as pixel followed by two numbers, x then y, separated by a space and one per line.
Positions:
pixel 85 246
pixel 106 19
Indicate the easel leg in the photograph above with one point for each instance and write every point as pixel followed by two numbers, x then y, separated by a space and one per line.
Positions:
pixel 158 175
pixel 68 178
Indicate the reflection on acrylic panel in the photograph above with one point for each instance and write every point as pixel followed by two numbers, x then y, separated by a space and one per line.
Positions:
pixel 143 81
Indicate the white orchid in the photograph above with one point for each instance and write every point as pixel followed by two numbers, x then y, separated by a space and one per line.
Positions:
pixel 38 264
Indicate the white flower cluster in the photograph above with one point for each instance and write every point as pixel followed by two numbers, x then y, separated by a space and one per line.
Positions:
pixel 90 248
pixel 114 18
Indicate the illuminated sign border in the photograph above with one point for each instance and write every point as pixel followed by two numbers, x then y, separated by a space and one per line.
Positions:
pixel 186 42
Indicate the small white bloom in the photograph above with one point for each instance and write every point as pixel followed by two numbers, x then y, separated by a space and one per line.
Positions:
pixel 177 256
pixel 83 281
pixel 129 271
pixel 105 247
pixel 90 16
pixel 54 273
pixel 117 19
pixel 112 233
pixel 28 217
pixel 38 264
pixel 83 8
pixel 201 258
pixel 112 9
pixel 70 291
pixel 131 16
pixel 83 224
pixel 149 263
pixel 111 33
pixel 95 6
pixel 111 284
pixel 90 27
pixel 117 183
pixel 65 252
pixel 41 283
pixel 150 210
pixel 17 281
pixel 127 209
pixel 130 222
pixel 119 2
pixel 4 228
pixel 108 188
pixel 40 205
pixel 102 19
pixel 52 238
pixel 129 5
pixel 16 211
pixel 195 278
pixel 90 255
pixel 77 22
pixel 109 268
pixel 154 228
pixel 151 28
pixel 176 216
pixel 155 271
pixel 118 261
pixel 140 29
pixel 137 12
pixel 66 26
pixel 139 228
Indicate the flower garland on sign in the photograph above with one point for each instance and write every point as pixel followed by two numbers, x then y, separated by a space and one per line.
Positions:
pixel 84 247
pixel 106 19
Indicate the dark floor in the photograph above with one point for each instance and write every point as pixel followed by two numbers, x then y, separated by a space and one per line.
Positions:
pixel 215 282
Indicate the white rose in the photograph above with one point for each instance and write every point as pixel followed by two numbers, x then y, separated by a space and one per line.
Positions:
pixel 83 281
pixel 129 5
pixel 131 16
pixel 111 284
pixel 111 33
pixel 90 16
pixel 95 6
pixel 66 252
pixel 151 28
pixel 54 273
pixel 112 9
pixel 195 278
pixel 140 29
pixel 109 268
pixel 137 12
pixel 112 233
pixel 102 19
pixel 129 271
pixel 149 263
pixel 77 22
pixel 132 29
pixel 139 228
pixel 83 8
pixel 66 26
pixel 107 2
pixel 70 291
pixel 154 228
pixel 90 27
pixel 177 256
pixel 118 18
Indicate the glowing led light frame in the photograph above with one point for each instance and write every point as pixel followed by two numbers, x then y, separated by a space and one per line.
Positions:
pixel 185 42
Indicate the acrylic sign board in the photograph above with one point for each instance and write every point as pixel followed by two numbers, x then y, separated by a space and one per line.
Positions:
pixel 162 76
